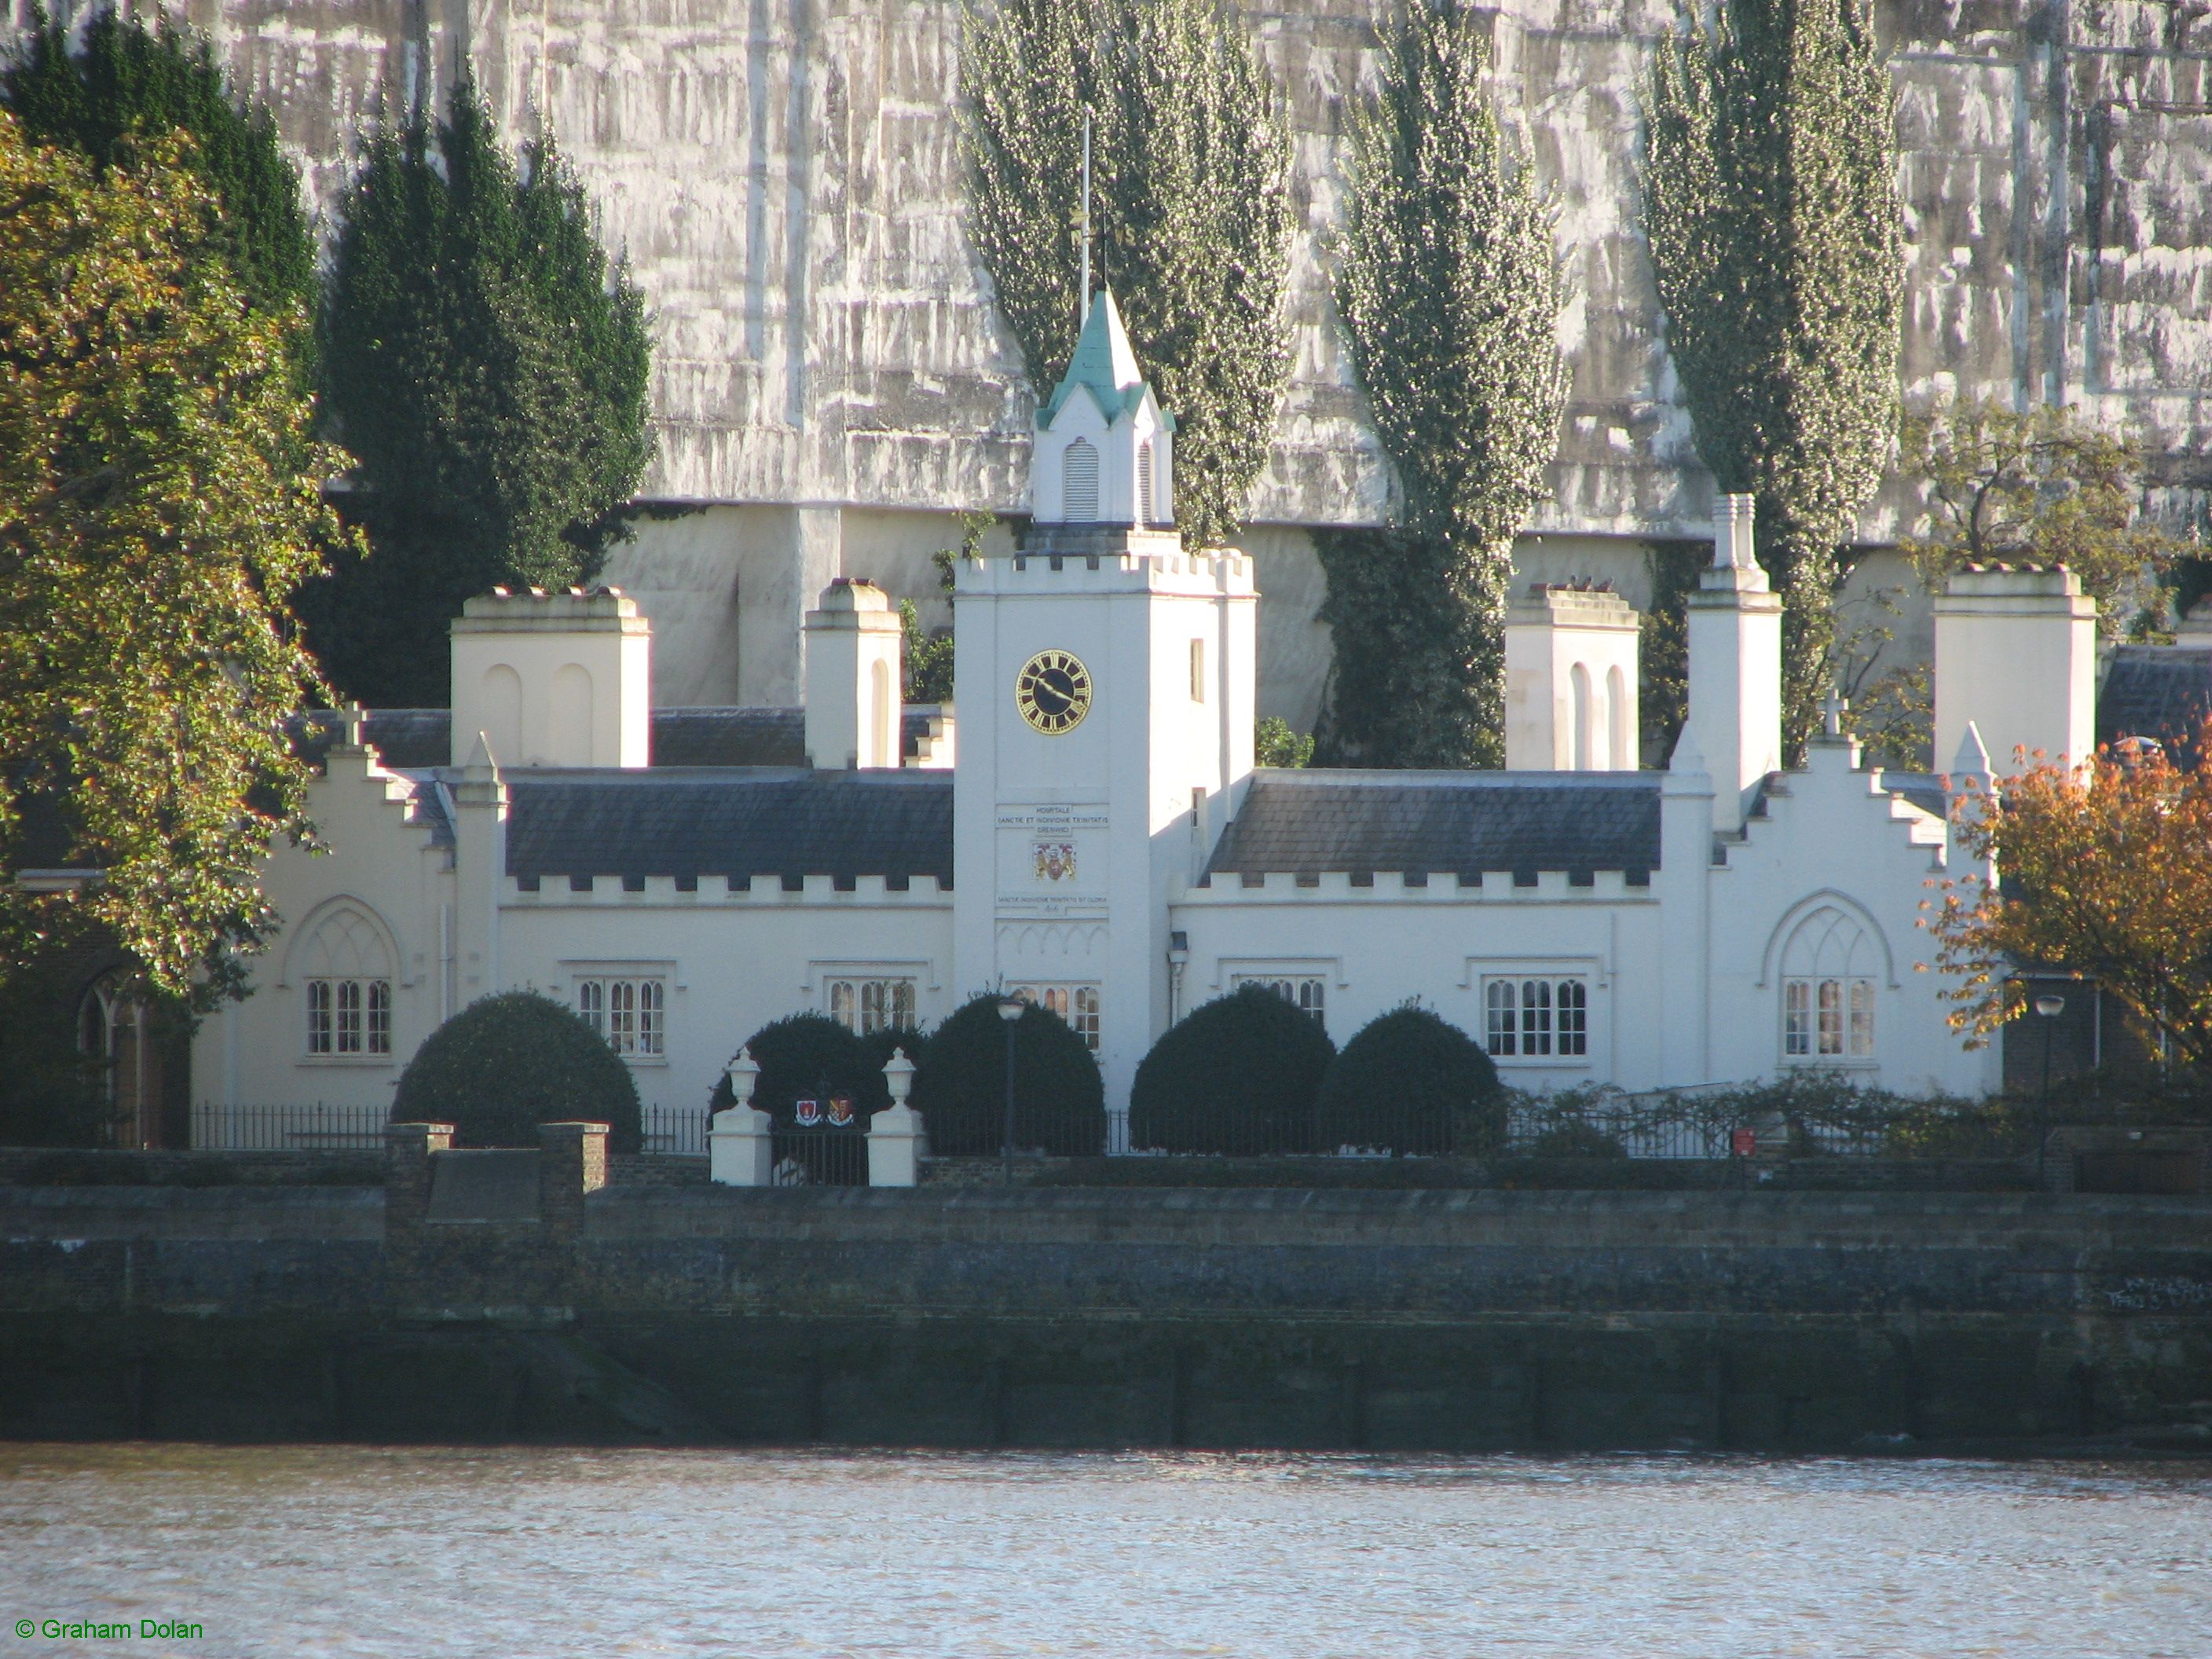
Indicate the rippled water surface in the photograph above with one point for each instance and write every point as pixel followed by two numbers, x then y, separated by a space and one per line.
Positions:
pixel 309 1550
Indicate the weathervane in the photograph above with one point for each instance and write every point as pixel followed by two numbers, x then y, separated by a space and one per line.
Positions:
pixel 1083 301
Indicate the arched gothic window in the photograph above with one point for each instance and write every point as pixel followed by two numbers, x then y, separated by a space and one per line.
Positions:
pixel 1078 483
pixel 115 1030
pixel 1144 483
pixel 346 973
pixel 1828 971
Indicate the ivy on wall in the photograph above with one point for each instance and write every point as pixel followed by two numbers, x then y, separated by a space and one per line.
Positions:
pixel 488 369
pixel 1450 295
pixel 1191 214
pixel 1777 240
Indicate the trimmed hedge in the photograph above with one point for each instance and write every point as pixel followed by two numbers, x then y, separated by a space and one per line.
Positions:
pixel 1241 1074
pixel 960 1086
pixel 810 1056
pixel 506 1064
pixel 1411 1082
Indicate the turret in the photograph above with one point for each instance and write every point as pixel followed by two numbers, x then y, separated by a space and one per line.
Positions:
pixel 1104 449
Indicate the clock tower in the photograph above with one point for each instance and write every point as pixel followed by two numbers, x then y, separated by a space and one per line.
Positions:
pixel 1105 686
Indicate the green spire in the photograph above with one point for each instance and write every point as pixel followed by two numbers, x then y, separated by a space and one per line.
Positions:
pixel 1104 364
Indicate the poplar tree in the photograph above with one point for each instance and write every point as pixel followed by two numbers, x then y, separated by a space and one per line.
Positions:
pixel 488 367
pixel 1776 237
pixel 125 84
pixel 1191 214
pixel 1451 296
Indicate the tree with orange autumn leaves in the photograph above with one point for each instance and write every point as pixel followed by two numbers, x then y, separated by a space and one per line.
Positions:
pixel 2103 872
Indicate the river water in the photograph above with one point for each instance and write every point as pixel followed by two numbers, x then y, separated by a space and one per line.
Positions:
pixel 541 1554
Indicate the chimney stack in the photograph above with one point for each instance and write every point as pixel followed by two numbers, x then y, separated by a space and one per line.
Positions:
pixel 1570 680
pixel 1735 667
pixel 553 679
pixel 852 662
pixel 2016 656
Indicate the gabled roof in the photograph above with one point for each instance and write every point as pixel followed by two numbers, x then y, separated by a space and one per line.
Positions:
pixel 1306 822
pixel 1105 365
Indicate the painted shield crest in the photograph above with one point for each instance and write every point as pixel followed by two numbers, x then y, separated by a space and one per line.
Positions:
pixel 1055 861
pixel 810 1113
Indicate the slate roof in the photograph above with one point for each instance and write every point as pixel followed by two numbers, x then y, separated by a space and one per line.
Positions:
pixel 2159 692
pixel 729 737
pixel 417 740
pixel 740 822
pixel 408 739
pixel 1306 823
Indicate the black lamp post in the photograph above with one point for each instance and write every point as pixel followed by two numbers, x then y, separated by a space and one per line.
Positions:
pixel 1010 1010
pixel 2047 1009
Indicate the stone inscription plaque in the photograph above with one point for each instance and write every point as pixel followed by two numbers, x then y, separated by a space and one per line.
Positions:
pixel 1051 862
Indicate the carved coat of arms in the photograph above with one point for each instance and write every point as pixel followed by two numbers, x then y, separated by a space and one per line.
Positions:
pixel 1055 861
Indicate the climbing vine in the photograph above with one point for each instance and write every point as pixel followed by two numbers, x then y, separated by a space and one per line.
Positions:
pixel 1451 295
pixel 1191 214
pixel 1776 237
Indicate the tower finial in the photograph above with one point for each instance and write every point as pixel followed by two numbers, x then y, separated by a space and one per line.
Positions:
pixel 1083 301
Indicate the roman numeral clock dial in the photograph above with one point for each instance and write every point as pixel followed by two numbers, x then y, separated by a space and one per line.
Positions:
pixel 1053 691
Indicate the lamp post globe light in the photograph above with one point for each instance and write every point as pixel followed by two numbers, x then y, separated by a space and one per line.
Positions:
pixel 2047 1009
pixel 1010 1009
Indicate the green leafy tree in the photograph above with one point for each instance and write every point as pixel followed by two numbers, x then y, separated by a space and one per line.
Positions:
pixel 154 511
pixel 1276 742
pixel 2039 486
pixel 489 369
pixel 1664 644
pixel 1192 215
pixel 125 83
pixel 1777 240
pixel 1450 295
pixel 929 656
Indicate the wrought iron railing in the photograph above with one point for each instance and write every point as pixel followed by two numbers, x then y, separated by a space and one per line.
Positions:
pixel 678 1131
pixel 316 1126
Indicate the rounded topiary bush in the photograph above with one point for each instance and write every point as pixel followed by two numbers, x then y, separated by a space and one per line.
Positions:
pixel 809 1057
pixel 506 1064
pixel 1410 1082
pixel 1239 1074
pixel 960 1086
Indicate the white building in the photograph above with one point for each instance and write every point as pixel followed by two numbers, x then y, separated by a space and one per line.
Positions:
pixel 1103 841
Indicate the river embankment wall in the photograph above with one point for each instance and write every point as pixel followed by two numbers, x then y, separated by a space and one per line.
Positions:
pixel 1466 1320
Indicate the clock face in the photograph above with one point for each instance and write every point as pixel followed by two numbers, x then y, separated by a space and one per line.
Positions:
pixel 1053 691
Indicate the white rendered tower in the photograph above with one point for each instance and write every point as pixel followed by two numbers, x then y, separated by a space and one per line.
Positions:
pixel 1105 686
